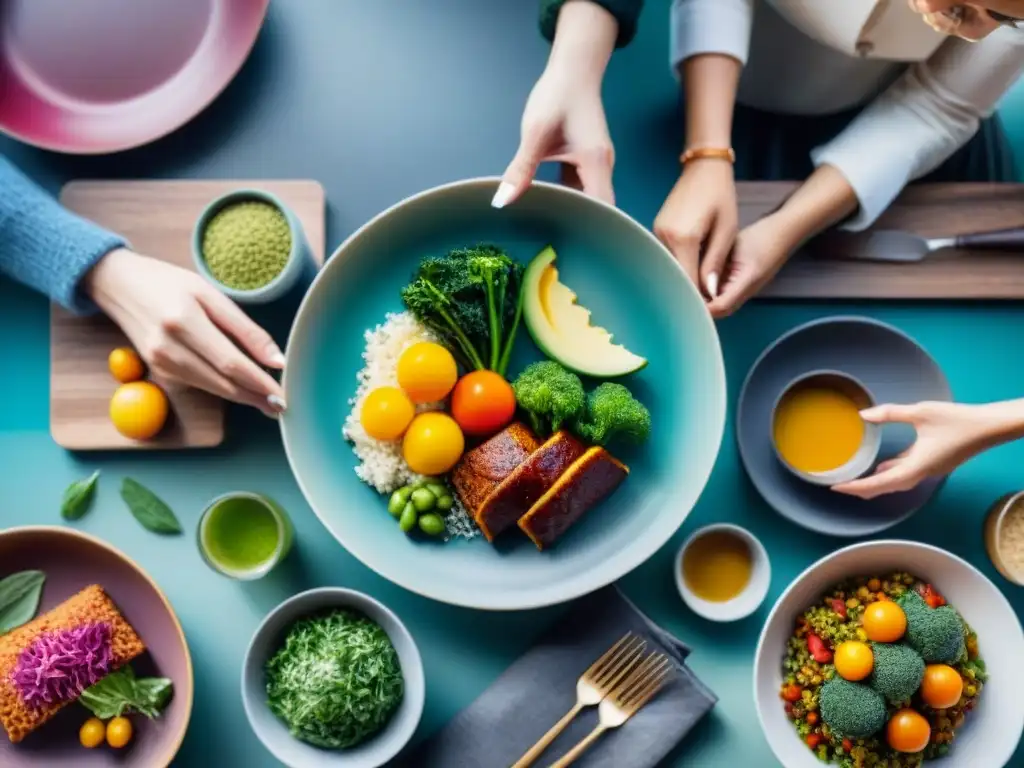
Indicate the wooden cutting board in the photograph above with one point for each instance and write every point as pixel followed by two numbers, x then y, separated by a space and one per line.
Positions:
pixel 933 210
pixel 156 217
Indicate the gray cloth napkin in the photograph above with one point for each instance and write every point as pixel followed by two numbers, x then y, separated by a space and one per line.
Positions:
pixel 540 687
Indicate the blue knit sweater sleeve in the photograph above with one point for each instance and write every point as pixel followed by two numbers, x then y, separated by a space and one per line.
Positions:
pixel 45 246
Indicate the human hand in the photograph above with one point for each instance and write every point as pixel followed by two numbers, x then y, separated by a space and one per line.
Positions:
pixel 948 434
pixel 970 21
pixel 758 254
pixel 700 213
pixel 186 330
pixel 564 118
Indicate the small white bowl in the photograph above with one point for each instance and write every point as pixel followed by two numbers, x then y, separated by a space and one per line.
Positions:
pixel 379 749
pixel 747 601
pixel 871 443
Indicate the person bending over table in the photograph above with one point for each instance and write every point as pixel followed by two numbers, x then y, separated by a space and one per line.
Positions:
pixel 858 128
pixel 186 330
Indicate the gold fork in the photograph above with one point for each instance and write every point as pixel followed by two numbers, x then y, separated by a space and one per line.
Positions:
pixel 625 701
pixel 593 685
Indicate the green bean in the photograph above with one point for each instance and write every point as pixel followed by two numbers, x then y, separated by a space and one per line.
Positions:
pixel 396 503
pixel 438 489
pixel 408 519
pixel 444 503
pixel 423 500
pixel 432 524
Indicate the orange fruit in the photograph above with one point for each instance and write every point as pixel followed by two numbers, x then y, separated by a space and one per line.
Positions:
pixel 941 686
pixel 139 410
pixel 427 372
pixel 125 365
pixel 884 622
pixel 908 731
pixel 854 660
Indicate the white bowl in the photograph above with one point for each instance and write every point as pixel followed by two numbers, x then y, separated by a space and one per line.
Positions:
pixel 991 732
pixel 747 601
pixel 379 749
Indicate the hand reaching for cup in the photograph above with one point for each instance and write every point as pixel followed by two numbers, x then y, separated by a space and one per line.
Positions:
pixel 186 330
pixel 948 434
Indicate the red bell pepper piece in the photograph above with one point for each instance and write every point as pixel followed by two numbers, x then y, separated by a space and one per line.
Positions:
pixel 819 651
pixel 839 607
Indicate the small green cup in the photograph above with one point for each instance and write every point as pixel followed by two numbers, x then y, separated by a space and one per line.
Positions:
pixel 244 535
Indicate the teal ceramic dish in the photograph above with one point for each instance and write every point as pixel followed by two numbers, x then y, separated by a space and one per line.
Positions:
pixel 634 288
pixel 300 266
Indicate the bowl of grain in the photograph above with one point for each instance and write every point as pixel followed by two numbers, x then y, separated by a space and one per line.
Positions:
pixel 1004 536
pixel 251 246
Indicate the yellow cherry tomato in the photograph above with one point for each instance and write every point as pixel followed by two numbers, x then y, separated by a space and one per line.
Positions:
pixel 908 731
pixel 125 365
pixel 854 660
pixel 433 444
pixel 941 686
pixel 884 622
pixel 119 732
pixel 92 733
pixel 427 372
pixel 139 409
pixel 386 413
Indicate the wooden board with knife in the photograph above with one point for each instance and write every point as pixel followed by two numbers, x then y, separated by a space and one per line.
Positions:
pixel 983 225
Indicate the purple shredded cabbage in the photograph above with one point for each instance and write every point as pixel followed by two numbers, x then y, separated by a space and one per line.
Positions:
pixel 58 666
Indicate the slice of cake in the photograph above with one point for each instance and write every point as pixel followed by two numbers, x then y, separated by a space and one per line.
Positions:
pixel 47 663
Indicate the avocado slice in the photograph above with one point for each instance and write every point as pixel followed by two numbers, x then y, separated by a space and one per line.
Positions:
pixel 561 328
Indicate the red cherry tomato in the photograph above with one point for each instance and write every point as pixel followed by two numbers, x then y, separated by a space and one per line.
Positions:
pixel 482 403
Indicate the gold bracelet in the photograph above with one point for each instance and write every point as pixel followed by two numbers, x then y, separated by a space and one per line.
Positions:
pixel 708 153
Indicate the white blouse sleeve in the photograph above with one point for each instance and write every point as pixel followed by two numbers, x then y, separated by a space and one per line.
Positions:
pixel 922 119
pixel 710 26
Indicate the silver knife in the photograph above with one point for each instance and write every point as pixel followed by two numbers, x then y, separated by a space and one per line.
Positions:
pixel 898 246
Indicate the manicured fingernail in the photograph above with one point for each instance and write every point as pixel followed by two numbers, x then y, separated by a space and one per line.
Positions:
pixel 277 358
pixel 503 195
pixel 276 403
pixel 712 285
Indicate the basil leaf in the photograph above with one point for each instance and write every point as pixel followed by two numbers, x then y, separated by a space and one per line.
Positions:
pixel 78 497
pixel 112 695
pixel 148 509
pixel 121 692
pixel 19 598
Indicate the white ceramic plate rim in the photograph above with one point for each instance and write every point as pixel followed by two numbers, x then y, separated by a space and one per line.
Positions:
pixel 641 548
pixel 884 525
pixel 865 545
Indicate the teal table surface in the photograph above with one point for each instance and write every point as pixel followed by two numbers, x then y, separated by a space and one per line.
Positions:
pixel 377 101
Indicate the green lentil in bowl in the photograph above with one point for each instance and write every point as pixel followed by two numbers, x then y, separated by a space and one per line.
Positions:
pixel 809 665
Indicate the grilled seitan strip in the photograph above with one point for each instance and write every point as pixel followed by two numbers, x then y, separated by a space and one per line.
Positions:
pixel 588 481
pixel 527 483
pixel 482 469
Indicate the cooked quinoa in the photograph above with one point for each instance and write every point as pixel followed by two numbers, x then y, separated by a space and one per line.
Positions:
pixel 836 618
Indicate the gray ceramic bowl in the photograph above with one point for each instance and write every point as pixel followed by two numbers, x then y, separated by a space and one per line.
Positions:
pixel 870 444
pixel 274 734
pixel 894 368
pixel 300 266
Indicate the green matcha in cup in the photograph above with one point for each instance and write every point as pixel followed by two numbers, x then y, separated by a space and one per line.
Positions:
pixel 244 535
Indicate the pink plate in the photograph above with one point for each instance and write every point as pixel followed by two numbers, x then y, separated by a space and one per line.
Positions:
pixel 96 76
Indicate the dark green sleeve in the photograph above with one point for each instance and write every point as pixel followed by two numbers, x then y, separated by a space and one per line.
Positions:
pixel 626 12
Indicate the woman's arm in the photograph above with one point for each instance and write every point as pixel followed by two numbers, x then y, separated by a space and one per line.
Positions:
pixel 922 119
pixel 710 40
pixel 45 246
pixel 625 12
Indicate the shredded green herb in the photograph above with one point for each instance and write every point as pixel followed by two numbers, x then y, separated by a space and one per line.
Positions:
pixel 336 681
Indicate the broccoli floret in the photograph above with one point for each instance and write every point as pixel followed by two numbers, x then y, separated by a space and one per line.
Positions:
pixel 472 299
pixel 935 633
pixel 613 411
pixel 897 672
pixel 851 709
pixel 550 395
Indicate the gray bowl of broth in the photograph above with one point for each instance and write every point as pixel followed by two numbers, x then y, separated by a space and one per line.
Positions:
pixel 817 432
pixel 722 572
pixel 244 535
